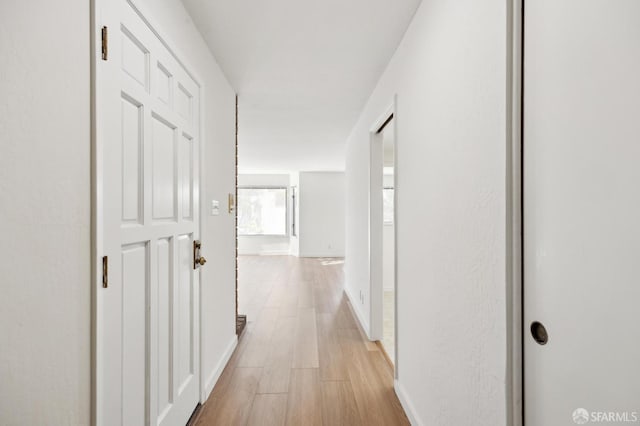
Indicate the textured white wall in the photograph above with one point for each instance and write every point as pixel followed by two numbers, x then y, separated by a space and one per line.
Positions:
pixel 449 73
pixel 322 214
pixel 45 275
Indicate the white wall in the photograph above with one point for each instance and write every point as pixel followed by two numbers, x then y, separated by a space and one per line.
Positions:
pixel 45 275
pixel 449 74
pixel 268 244
pixel 322 214
pixel 45 308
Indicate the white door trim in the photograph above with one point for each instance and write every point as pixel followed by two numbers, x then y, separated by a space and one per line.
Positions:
pixel 375 231
pixel 514 217
pixel 97 175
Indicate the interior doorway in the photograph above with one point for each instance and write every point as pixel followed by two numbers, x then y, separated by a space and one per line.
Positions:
pixel 382 242
pixel 388 241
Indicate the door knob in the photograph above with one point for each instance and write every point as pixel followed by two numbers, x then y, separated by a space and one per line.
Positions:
pixel 201 261
pixel 539 333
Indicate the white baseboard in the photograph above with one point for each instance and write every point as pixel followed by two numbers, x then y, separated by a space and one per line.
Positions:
pixel 327 255
pixel 217 371
pixel 274 253
pixel 355 306
pixel 265 253
pixel 409 409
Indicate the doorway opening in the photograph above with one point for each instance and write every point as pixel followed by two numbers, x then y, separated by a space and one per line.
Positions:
pixel 382 243
pixel 388 242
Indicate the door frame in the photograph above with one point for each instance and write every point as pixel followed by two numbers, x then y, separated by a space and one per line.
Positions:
pixel 97 173
pixel 375 231
pixel 514 213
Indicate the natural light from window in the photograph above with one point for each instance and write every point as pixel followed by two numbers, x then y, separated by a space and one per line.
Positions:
pixel 262 211
pixel 387 200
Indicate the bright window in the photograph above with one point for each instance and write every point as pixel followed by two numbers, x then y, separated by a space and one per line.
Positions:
pixel 294 208
pixel 262 211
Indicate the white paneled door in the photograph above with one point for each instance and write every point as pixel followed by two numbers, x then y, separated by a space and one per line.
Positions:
pixel 582 212
pixel 147 156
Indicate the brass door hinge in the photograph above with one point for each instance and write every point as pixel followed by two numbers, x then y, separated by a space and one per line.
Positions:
pixel 105 44
pixel 105 271
pixel 232 203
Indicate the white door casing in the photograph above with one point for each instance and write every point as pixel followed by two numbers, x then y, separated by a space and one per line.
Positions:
pixel 147 130
pixel 581 147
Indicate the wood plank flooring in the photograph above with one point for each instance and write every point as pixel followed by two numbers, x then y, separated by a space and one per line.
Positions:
pixel 302 359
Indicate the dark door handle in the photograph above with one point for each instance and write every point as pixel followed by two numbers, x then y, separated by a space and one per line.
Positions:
pixel 539 333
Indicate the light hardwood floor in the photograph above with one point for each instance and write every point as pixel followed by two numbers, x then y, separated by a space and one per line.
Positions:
pixel 302 359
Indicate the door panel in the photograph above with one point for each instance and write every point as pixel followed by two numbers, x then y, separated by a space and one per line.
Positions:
pixel 135 57
pixel 132 145
pixel 134 333
pixel 147 317
pixel 581 207
pixel 165 325
pixel 186 176
pixel 164 157
pixel 185 308
pixel 164 84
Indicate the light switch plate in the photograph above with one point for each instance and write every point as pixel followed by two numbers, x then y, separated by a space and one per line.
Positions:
pixel 215 207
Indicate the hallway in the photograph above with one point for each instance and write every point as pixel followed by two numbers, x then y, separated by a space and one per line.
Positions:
pixel 302 359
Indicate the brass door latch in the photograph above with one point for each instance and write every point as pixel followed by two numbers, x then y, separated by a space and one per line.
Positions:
pixel 197 259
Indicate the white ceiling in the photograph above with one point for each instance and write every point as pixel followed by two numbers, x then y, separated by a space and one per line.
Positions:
pixel 303 71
